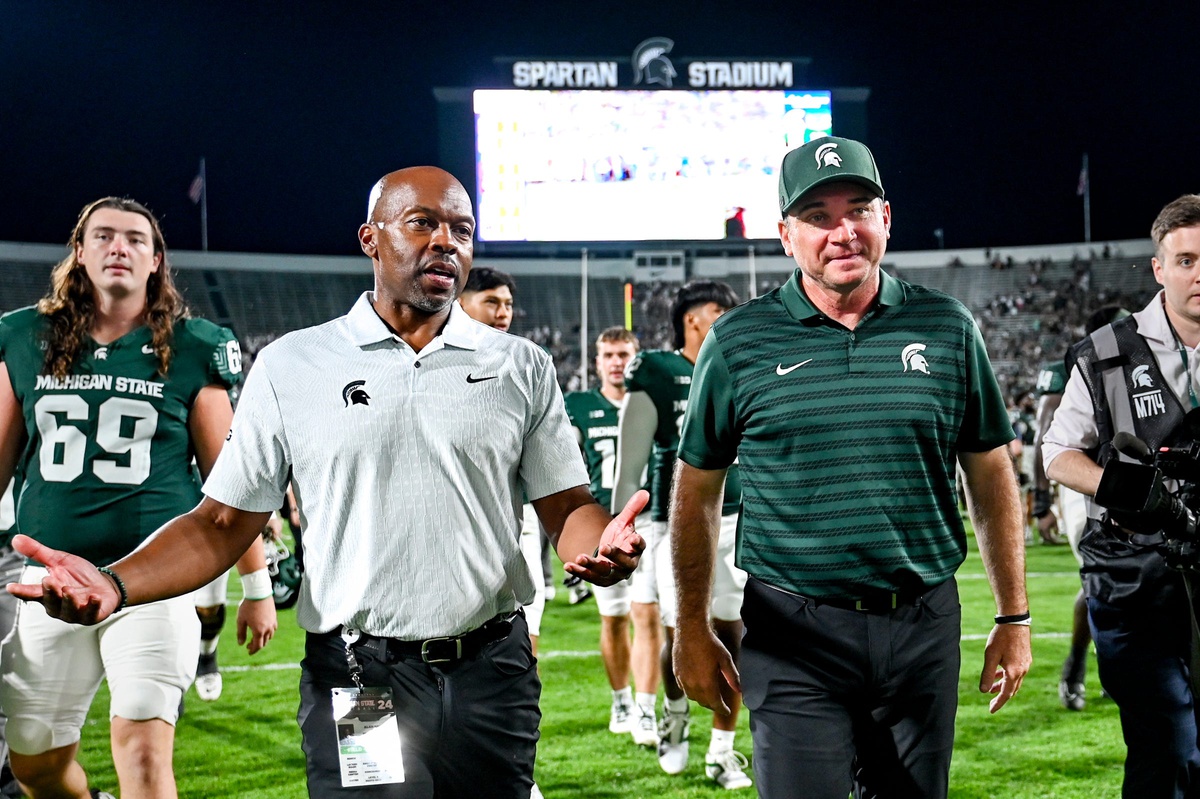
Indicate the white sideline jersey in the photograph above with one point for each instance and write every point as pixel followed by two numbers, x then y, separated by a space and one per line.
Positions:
pixel 408 468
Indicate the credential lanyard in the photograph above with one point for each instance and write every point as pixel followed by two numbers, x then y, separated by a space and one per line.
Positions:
pixel 1187 374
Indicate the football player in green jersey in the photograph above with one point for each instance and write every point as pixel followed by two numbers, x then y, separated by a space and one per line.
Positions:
pixel 1072 510
pixel 658 386
pixel 11 563
pixel 107 393
pixel 594 415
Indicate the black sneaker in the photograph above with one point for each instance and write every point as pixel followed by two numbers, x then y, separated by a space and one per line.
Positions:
pixel 1071 694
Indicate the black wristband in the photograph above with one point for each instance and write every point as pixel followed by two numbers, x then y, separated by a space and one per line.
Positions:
pixel 120 586
pixel 1016 618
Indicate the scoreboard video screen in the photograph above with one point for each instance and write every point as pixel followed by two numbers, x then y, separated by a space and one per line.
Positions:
pixel 612 165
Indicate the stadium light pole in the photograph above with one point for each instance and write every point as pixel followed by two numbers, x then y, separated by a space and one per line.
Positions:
pixel 1085 190
pixel 583 320
pixel 203 206
pixel 753 292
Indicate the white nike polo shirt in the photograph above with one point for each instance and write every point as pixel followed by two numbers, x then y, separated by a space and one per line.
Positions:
pixel 408 468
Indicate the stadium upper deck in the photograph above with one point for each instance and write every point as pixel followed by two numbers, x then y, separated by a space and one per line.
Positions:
pixel 1030 302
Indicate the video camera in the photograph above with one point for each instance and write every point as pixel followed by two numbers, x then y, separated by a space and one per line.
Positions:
pixel 1137 498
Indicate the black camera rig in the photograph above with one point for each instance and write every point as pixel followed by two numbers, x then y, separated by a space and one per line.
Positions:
pixel 1137 498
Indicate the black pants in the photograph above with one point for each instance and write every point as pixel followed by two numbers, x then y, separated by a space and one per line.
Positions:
pixel 467 729
pixel 1142 654
pixel 844 701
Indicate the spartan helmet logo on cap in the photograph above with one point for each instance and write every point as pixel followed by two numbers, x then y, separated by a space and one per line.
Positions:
pixel 354 393
pixel 827 156
pixel 913 359
pixel 650 62
pixel 1141 377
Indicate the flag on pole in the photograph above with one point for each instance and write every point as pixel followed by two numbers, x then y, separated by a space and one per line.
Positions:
pixel 1083 179
pixel 196 190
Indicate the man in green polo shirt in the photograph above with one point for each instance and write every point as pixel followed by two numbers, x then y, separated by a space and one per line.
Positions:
pixel 847 397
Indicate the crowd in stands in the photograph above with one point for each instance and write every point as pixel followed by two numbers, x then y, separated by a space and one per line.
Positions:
pixel 1023 326
pixel 1025 329
pixel 1029 316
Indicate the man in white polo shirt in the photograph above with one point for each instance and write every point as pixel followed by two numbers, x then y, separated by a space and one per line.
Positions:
pixel 487 298
pixel 408 433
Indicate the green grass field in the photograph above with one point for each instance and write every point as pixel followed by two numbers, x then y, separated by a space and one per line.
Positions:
pixel 247 743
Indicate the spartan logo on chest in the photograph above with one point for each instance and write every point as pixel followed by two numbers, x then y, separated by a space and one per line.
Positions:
pixel 913 360
pixel 1147 399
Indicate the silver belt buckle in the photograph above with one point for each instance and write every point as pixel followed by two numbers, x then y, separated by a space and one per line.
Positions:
pixel 426 657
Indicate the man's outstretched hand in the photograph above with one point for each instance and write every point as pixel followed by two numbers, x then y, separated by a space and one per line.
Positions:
pixel 73 591
pixel 620 547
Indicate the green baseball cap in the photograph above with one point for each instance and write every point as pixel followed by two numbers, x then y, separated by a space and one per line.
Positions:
pixel 825 160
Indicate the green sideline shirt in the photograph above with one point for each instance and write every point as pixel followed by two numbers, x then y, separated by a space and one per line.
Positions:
pixel 666 377
pixel 846 439
pixel 107 456
pixel 1052 379
pixel 8 510
pixel 595 417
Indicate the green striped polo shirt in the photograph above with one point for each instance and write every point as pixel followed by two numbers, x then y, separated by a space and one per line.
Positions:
pixel 846 439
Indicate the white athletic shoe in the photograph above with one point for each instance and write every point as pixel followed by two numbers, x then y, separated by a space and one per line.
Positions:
pixel 98 794
pixel 728 769
pixel 673 741
pixel 208 686
pixel 645 728
pixel 620 719
pixel 580 592
pixel 535 792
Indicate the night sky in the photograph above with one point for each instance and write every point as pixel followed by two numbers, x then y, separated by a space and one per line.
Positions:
pixel 978 120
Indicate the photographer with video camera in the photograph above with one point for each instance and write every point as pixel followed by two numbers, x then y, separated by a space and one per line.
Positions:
pixel 1132 382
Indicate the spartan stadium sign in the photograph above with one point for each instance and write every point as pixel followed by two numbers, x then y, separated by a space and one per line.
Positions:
pixel 652 67
pixel 565 74
pixel 740 74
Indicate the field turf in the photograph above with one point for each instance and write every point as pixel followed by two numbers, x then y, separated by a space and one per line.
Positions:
pixel 247 744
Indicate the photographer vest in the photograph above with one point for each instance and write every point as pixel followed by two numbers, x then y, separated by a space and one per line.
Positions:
pixel 1128 393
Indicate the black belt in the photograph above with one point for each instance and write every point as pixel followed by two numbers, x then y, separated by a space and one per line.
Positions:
pixel 447 649
pixel 452 648
pixel 873 601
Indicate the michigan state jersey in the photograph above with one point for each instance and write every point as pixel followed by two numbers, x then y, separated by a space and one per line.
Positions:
pixel 595 417
pixel 1052 379
pixel 107 456
pixel 666 378
pixel 8 511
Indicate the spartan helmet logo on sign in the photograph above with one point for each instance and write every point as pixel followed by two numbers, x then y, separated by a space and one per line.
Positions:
pixel 1141 377
pixel 913 359
pixel 650 62
pixel 827 156
pixel 354 393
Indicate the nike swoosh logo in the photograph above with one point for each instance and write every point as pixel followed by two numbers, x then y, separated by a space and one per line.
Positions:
pixel 480 379
pixel 779 370
pixel 147 349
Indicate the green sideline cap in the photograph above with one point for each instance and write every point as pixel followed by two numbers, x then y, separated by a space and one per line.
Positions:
pixel 825 160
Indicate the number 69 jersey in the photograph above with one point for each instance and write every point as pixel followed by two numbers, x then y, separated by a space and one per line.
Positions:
pixel 107 456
